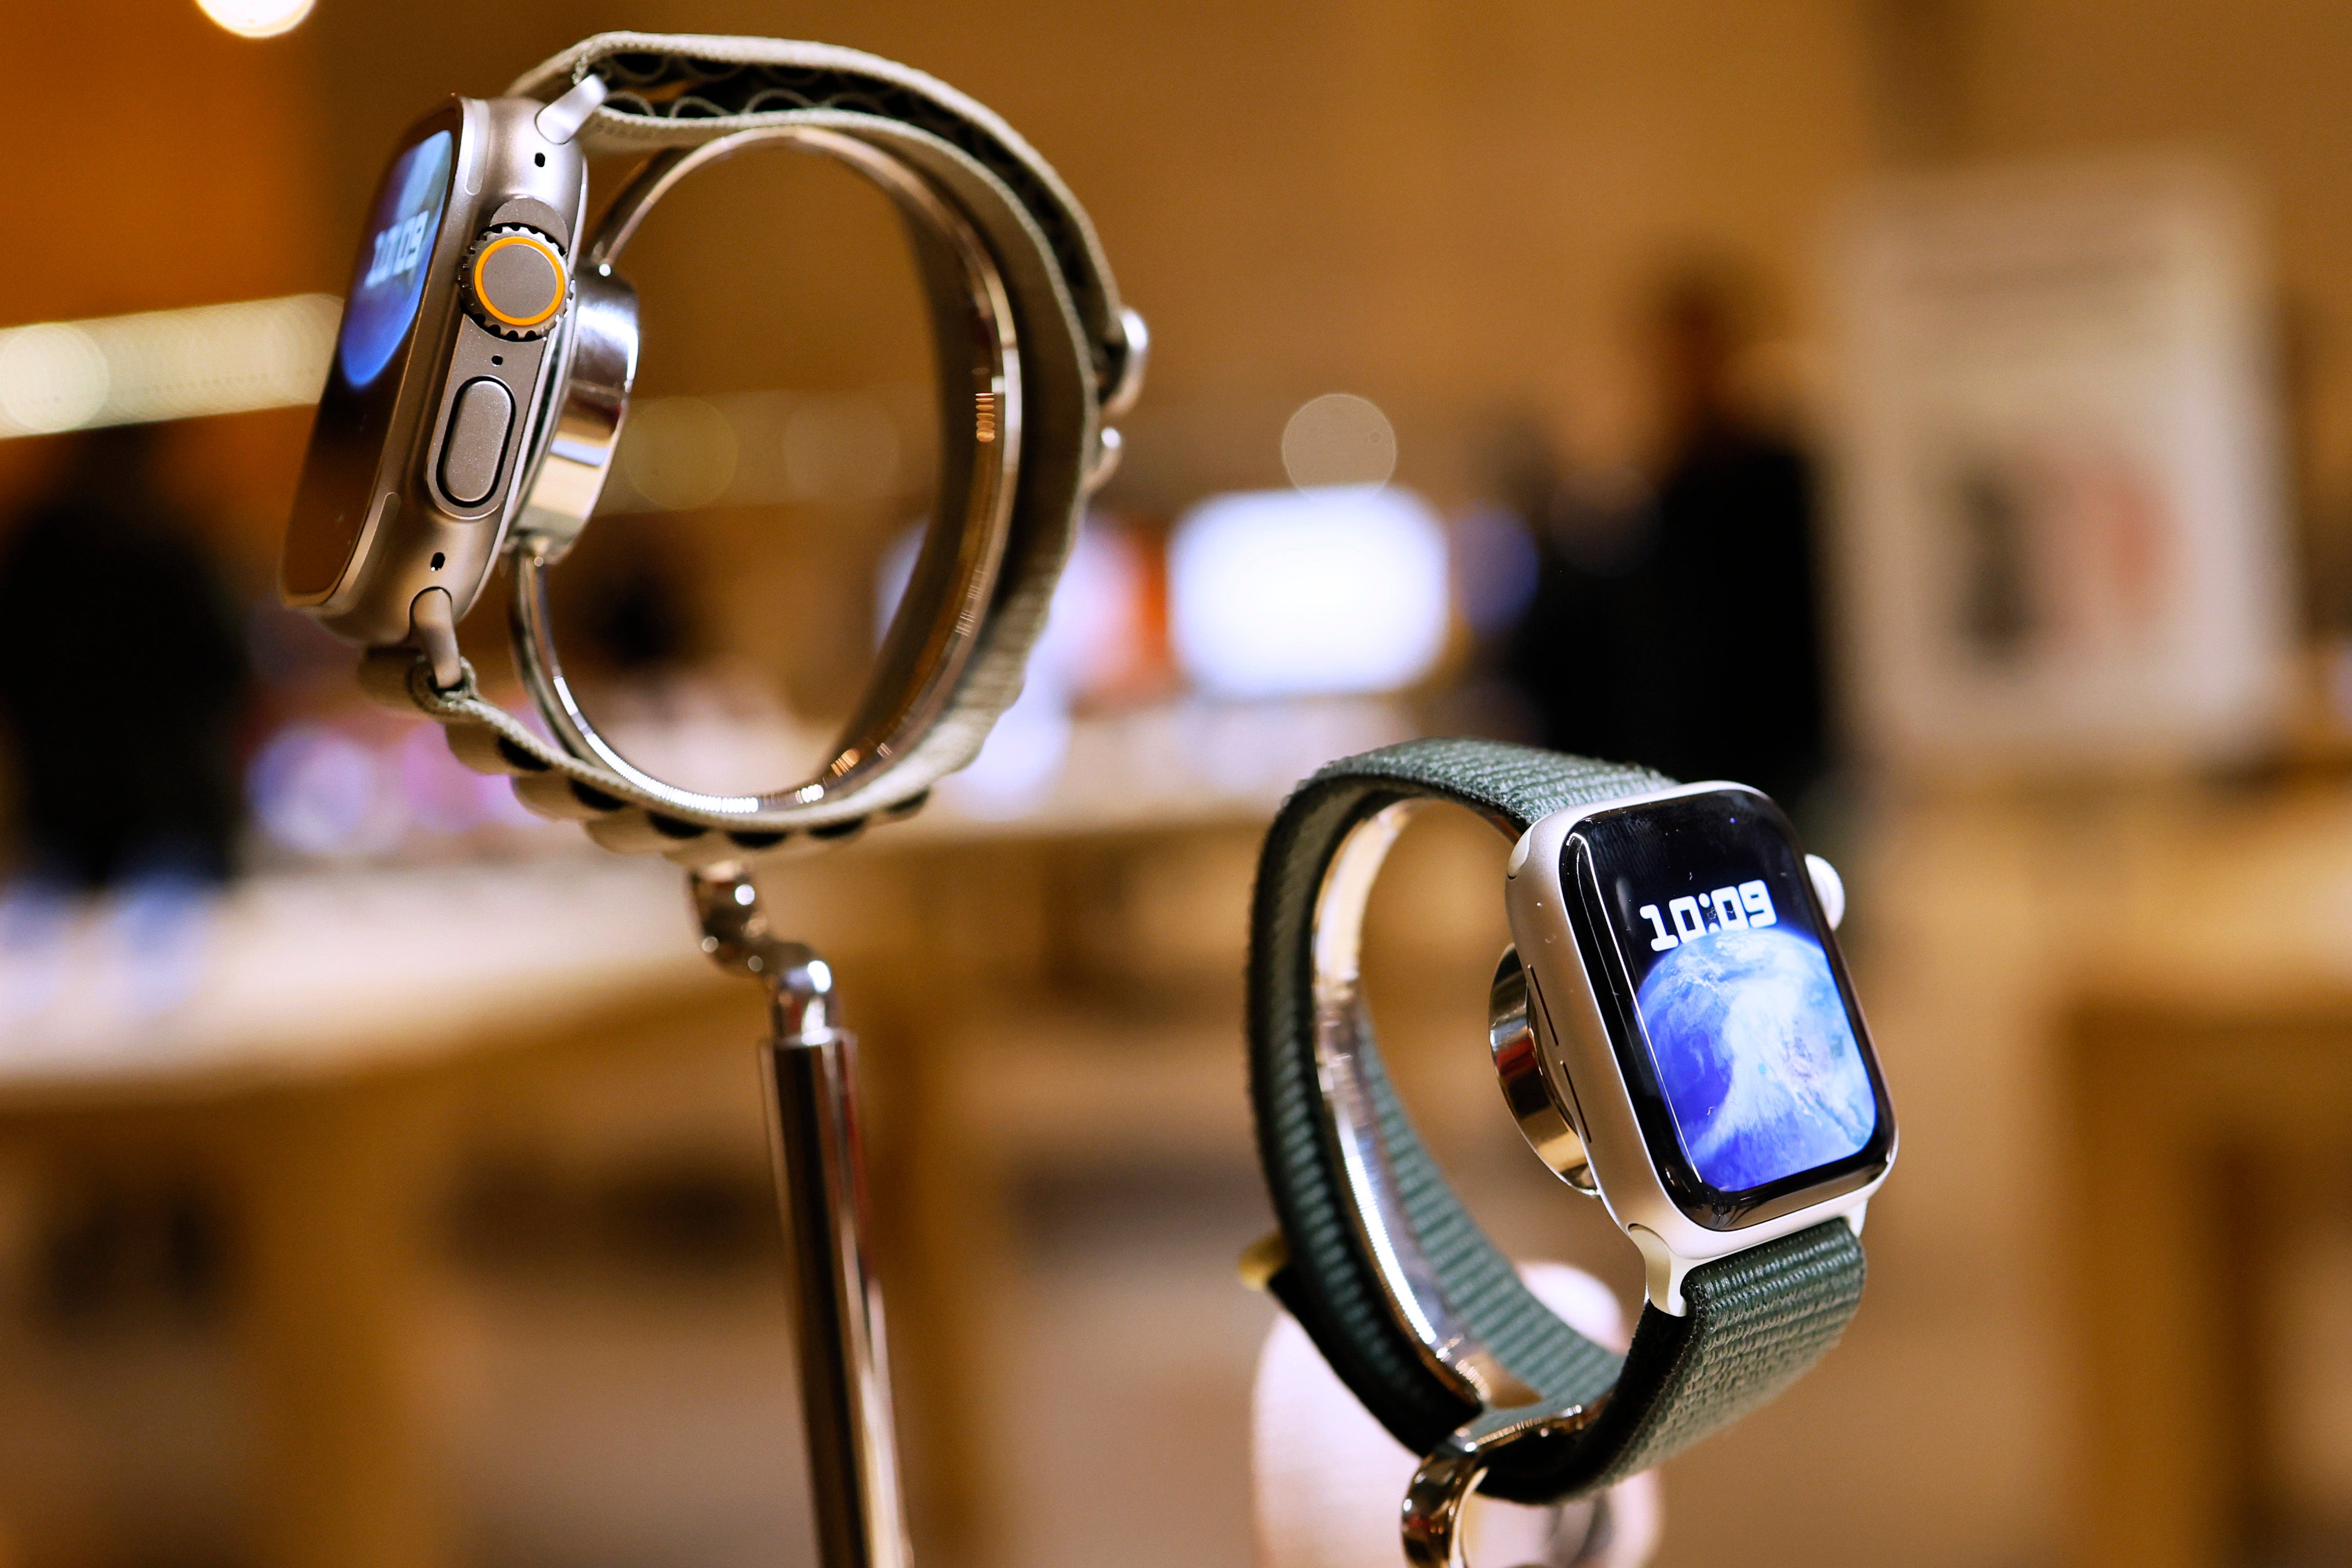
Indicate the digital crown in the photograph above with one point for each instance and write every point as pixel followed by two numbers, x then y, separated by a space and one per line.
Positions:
pixel 515 282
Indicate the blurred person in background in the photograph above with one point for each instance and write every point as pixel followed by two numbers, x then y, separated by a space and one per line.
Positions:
pixel 1582 653
pixel 1681 628
pixel 123 680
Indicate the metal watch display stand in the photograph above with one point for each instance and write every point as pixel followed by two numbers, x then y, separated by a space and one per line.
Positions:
pixel 844 1371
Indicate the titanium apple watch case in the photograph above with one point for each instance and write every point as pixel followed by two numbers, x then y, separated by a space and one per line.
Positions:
pixel 431 430
pixel 423 435
pixel 1578 1065
pixel 442 454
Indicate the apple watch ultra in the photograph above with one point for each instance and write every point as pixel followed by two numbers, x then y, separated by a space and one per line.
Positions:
pixel 1676 1034
pixel 483 369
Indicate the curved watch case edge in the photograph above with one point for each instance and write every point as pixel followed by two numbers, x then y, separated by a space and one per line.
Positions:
pixel 1574 1040
pixel 335 607
pixel 389 566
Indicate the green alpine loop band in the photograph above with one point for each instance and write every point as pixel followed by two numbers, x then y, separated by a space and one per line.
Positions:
pixel 1078 363
pixel 1755 1320
pixel 679 88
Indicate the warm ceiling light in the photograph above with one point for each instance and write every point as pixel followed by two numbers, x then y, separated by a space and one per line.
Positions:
pixel 257 18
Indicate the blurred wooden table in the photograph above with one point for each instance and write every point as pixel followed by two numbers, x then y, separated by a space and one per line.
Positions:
pixel 304 1059
pixel 345 1023
pixel 2197 1134
pixel 340 1019
pixel 2120 1026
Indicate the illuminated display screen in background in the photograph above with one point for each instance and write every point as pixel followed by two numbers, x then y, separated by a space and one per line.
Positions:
pixel 389 281
pixel 1754 1047
pixel 1333 591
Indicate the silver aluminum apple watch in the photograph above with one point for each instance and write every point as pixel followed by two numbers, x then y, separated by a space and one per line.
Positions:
pixel 483 372
pixel 1676 1035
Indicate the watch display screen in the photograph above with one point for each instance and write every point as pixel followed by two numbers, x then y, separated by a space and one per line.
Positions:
pixel 389 281
pixel 1750 1067
pixel 379 312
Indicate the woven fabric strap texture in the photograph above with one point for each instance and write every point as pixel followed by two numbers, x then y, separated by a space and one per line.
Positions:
pixel 676 90
pixel 672 90
pixel 1756 1321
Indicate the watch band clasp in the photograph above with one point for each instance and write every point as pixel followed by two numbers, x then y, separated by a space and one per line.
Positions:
pixel 1431 1519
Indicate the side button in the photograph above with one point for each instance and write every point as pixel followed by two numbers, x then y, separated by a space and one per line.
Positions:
pixel 475 440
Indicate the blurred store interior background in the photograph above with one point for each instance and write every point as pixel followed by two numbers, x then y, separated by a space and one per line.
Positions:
pixel 1938 412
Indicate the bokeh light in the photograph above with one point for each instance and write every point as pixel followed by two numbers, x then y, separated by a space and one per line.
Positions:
pixel 1293 592
pixel 678 453
pixel 1338 438
pixel 257 18
pixel 165 364
pixel 52 377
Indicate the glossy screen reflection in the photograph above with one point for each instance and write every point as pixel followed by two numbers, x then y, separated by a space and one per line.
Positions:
pixel 354 416
pixel 1751 1037
pixel 389 281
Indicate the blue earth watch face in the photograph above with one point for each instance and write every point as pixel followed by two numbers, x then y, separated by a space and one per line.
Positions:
pixel 1749 1064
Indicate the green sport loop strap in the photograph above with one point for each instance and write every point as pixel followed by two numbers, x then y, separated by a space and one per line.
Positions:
pixel 1552 1414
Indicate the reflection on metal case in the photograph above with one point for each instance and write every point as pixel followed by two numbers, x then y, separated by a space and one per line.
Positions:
pixel 442 369
pixel 1682 1040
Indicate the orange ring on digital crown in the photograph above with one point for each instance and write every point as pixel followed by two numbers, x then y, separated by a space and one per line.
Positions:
pixel 482 296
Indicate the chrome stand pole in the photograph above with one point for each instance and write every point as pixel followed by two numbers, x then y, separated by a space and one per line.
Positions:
pixel 844 1371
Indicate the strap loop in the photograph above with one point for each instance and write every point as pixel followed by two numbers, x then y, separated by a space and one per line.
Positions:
pixel 1032 341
